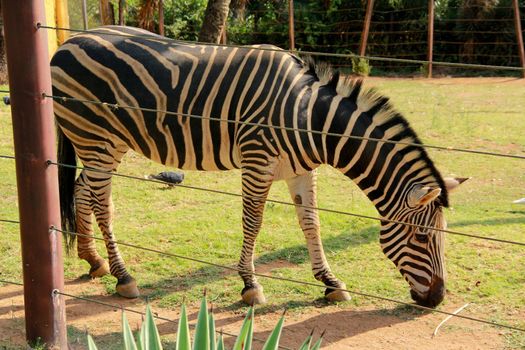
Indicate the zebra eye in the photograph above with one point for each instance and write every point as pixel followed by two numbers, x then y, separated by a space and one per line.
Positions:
pixel 421 237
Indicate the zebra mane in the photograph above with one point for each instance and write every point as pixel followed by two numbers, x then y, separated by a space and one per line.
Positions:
pixel 369 99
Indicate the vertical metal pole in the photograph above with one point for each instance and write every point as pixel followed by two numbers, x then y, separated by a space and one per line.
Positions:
pixel 366 27
pixel 62 17
pixel 84 14
pixel 430 36
pixel 34 138
pixel 519 34
pixel 161 18
pixel 291 29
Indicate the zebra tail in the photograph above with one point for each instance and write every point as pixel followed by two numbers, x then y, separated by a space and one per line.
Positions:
pixel 66 184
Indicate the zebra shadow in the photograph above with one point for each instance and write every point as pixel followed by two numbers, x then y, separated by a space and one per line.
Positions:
pixel 285 257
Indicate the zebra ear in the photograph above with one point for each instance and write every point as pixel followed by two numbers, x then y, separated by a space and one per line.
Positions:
pixel 423 195
pixel 453 182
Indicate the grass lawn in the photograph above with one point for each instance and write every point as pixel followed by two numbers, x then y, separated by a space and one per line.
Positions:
pixel 485 114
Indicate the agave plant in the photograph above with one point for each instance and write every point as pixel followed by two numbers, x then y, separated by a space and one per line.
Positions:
pixel 205 337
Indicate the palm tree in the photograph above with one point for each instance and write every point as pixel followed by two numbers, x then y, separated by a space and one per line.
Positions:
pixel 214 21
pixel 146 16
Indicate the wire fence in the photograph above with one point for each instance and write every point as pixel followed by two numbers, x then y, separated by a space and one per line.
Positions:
pixel 270 200
pixel 133 311
pixel 282 279
pixel 308 53
pixel 484 34
pixel 383 220
pixel 116 106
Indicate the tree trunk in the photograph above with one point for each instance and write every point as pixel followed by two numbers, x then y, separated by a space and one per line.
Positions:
pixel 106 12
pixel 121 9
pixel 214 21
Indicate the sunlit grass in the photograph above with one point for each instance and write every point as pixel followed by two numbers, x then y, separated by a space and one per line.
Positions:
pixel 486 115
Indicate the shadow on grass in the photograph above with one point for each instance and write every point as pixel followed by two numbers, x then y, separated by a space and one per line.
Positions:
pixel 297 254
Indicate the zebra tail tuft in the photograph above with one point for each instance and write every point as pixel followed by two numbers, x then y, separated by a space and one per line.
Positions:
pixel 66 184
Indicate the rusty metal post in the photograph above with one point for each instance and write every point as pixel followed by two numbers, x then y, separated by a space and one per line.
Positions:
pixel 161 18
pixel 291 29
pixel 519 35
pixel 430 53
pixel 34 138
pixel 366 27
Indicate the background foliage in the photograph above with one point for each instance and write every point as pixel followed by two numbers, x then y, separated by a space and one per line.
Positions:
pixel 469 31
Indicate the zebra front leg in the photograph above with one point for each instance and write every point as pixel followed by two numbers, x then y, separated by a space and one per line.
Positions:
pixel 303 190
pixel 255 188
pixel 103 209
pixel 86 245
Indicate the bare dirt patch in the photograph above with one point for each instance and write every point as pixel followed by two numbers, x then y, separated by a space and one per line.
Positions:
pixel 347 327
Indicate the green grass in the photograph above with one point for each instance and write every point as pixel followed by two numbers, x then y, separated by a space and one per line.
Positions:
pixel 207 226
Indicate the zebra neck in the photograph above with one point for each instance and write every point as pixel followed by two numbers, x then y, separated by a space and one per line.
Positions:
pixel 384 171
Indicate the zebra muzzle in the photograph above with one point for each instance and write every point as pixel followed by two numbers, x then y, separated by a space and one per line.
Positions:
pixel 435 295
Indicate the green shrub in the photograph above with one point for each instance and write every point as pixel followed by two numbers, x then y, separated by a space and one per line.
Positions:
pixel 205 336
pixel 361 66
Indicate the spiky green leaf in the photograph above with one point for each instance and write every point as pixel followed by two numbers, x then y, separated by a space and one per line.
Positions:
pixel 220 343
pixel 127 334
pixel 91 343
pixel 317 344
pixel 245 329
pixel 202 340
pixel 149 332
pixel 183 331
pixel 249 337
pixel 272 343
pixel 211 329
pixel 307 343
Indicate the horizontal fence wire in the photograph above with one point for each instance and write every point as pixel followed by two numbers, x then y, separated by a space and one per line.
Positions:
pixel 10 221
pixel 476 43
pixel 407 31
pixel 292 204
pixel 311 53
pixel 6 157
pixel 11 282
pixel 116 106
pixel 119 307
pixel 284 279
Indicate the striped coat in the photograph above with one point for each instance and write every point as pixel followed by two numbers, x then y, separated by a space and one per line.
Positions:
pixel 258 109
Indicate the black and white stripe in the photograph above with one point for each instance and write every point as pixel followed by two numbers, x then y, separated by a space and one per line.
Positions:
pixel 255 93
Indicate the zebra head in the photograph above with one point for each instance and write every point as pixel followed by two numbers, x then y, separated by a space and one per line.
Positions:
pixel 418 251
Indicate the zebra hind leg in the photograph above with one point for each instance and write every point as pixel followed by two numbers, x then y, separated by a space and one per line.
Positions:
pixel 303 190
pixel 86 245
pixel 102 206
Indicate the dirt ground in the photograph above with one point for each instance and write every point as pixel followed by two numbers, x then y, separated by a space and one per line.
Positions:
pixel 346 327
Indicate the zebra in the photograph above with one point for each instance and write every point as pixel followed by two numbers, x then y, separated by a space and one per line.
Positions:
pixel 264 111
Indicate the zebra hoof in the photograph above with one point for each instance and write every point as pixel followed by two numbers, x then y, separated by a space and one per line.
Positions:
pixel 128 289
pixel 337 295
pixel 253 295
pixel 99 270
